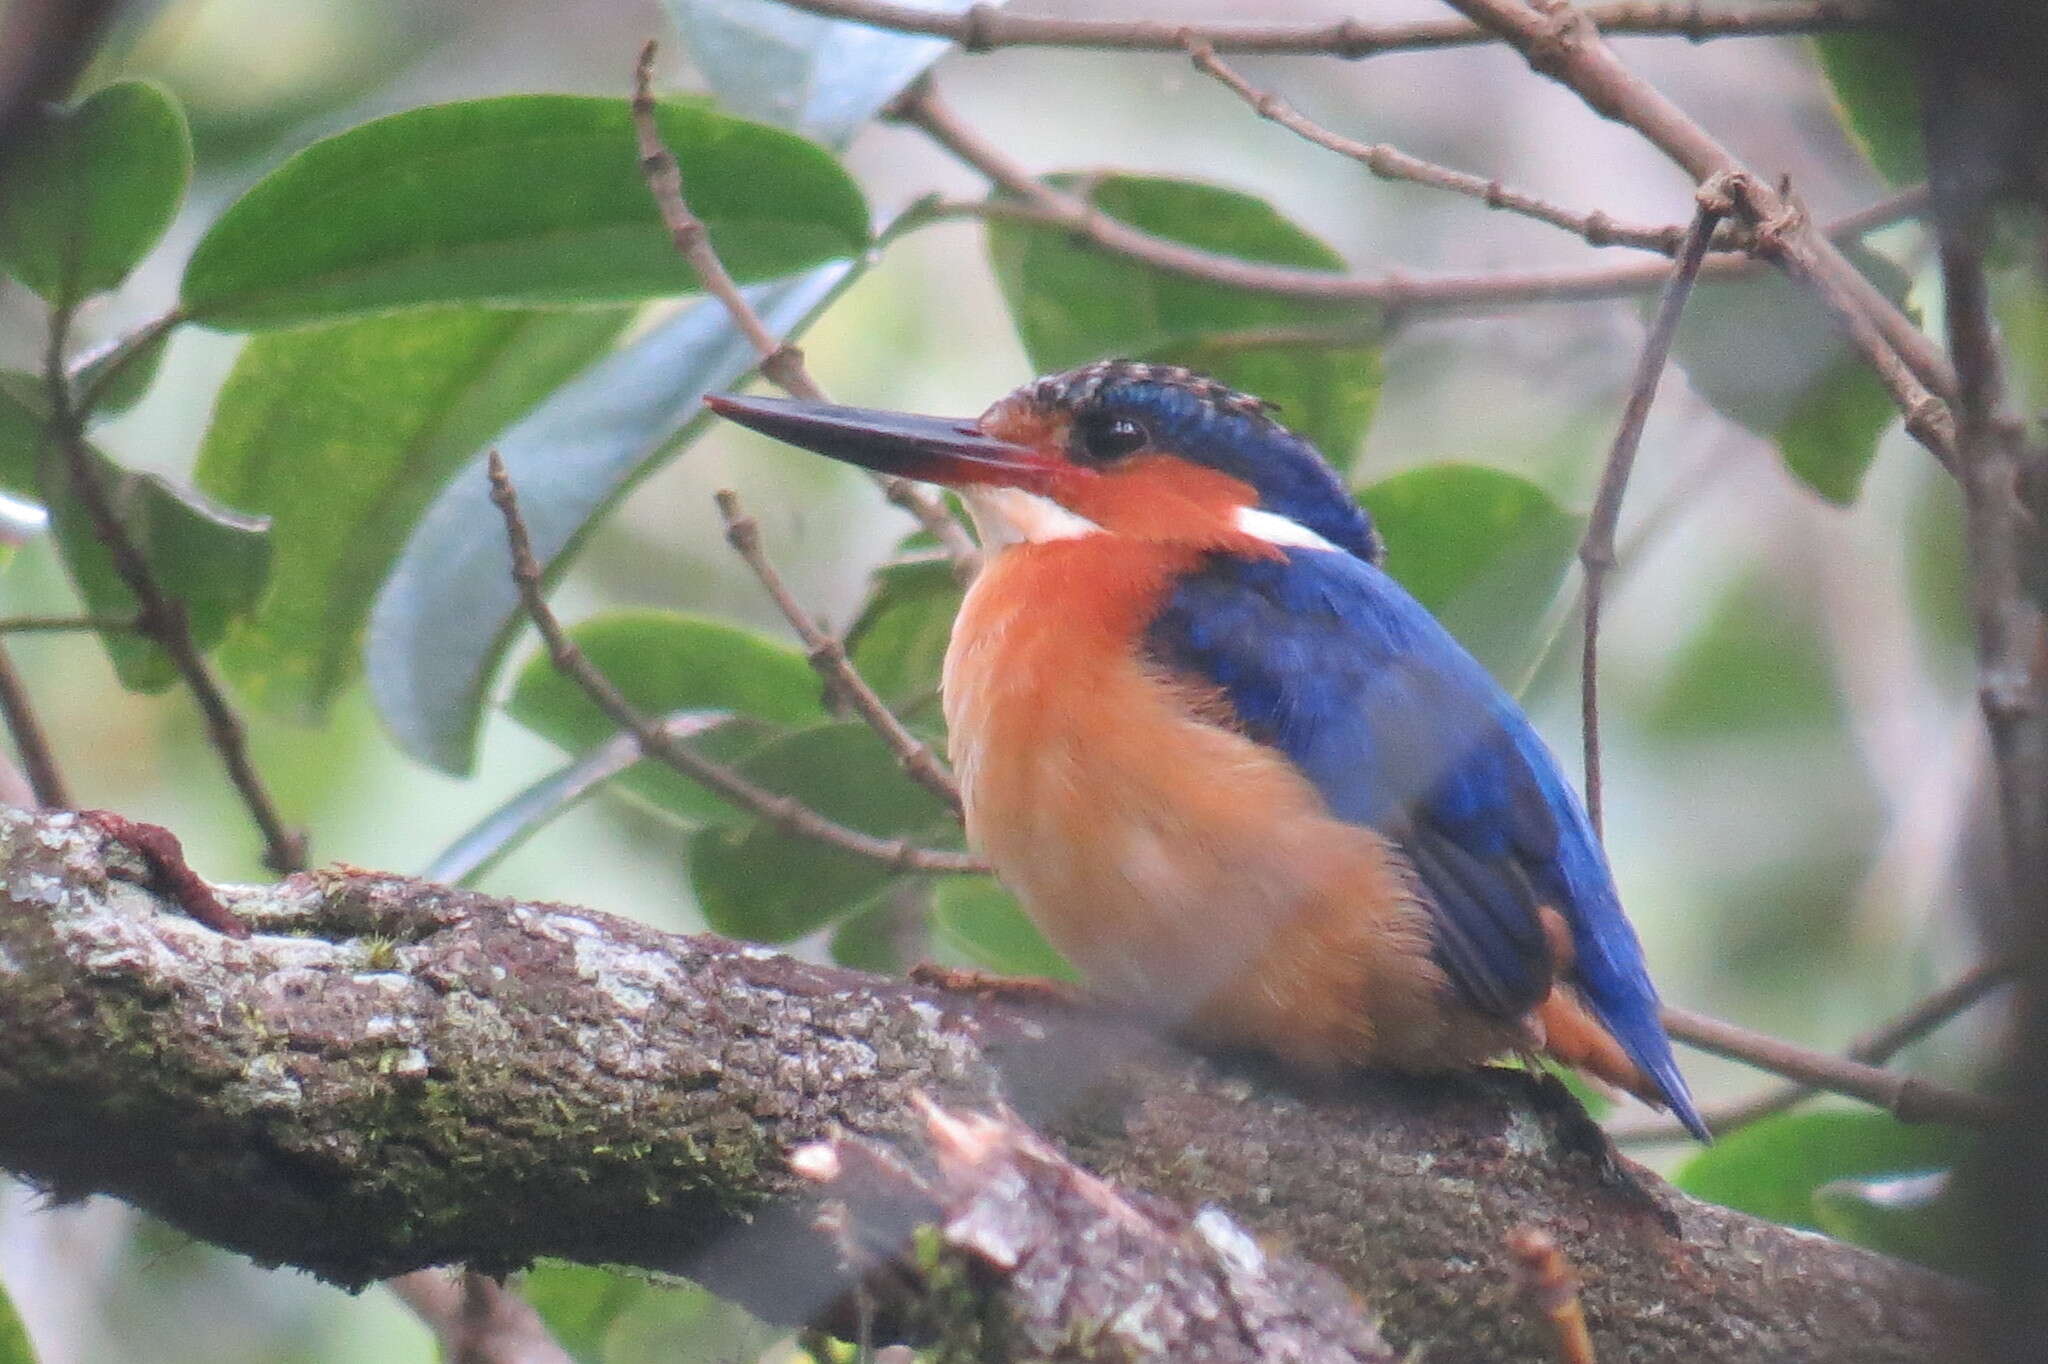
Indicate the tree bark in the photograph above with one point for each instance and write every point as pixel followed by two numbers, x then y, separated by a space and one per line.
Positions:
pixel 392 1074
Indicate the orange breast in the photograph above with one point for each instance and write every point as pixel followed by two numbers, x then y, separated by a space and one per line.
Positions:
pixel 1181 867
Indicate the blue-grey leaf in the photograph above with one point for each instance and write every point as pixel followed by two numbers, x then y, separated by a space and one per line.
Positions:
pixel 442 620
pixel 505 828
pixel 820 77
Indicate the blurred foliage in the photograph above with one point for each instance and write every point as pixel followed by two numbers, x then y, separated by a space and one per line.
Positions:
pixel 341 435
pixel 440 205
pixel 982 924
pixel 614 1316
pixel 1771 1168
pixel 94 189
pixel 1767 354
pixel 467 274
pixel 1483 549
pixel 14 1343
pixel 664 663
pixel 1073 304
pixel 1876 92
pixel 755 881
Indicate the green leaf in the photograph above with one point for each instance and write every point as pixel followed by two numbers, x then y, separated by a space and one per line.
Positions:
pixel 982 923
pixel 1074 303
pixel 867 939
pixel 1772 1168
pixel 665 662
pixel 22 412
pixel 898 642
pixel 754 881
pixel 445 615
pixel 617 1316
pixel 213 560
pixel 136 372
pixel 90 190
pixel 1482 549
pixel 342 435
pixel 497 834
pixel 1876 93
pixel 579 1303
pixel 1756 664
pixel 2019 300
pixel 1917 1217
pixel 1831 435
pixel 14 1343
pixel 1769 356
pixel 515 200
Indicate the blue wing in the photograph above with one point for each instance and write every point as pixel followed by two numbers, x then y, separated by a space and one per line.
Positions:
pixel 1328 659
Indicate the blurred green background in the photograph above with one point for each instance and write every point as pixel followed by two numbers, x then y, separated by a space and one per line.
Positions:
pixel 1792 743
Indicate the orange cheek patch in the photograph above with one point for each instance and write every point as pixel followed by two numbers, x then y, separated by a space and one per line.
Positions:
pixel 1158 497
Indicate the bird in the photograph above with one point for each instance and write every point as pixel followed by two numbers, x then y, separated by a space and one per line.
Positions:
pixel 1237 775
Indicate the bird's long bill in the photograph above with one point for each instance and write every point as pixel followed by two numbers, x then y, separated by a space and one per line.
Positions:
pixel 948 450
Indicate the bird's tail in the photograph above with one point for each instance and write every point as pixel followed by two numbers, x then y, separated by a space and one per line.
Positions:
pixel 1574 1036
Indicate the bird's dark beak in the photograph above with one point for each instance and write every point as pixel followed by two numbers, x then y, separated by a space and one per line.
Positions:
pixel 948 450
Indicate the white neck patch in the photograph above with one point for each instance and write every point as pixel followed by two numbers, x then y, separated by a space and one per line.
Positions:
pixel 1275 529
pixel 1011 516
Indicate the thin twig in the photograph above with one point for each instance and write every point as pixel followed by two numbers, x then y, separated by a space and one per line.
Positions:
pixel 781 364
pixel 789 815
pixel 1034 201
pixel 828 656
pixel 25 625
pixel 162 617
pixel 981 27
pixel 38 760
pixel 1875 1048
pixel 1562 42
pixel 1596 549
pixel 1546 1279
pixel 1909 1098
pixel 1391 163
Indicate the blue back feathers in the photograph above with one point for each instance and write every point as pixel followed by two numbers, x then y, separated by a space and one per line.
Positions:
pixel 1326 658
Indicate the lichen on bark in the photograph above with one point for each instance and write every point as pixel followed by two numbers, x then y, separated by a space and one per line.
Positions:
pixel 391 1074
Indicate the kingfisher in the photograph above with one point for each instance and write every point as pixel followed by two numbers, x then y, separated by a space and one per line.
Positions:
pixel 1237 775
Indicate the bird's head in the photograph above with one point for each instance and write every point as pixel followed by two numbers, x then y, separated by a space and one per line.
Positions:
pixel 1150 452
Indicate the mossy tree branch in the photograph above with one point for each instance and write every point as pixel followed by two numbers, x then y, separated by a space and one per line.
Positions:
pixel 391 1074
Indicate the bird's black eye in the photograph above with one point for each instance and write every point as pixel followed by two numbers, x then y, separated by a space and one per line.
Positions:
pixel 1102 436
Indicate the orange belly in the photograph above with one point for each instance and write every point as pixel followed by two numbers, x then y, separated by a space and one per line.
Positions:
pixel 1180 866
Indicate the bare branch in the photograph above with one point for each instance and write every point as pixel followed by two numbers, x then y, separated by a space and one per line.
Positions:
pixel 1909 1098
pixel 28 625
pixel 781 364
pixel 1561 41
pixel 1400 294
pixel 391 1075
pixel 982 28
pixel 31 743
pixel 1391 163
pixel 1873 1048
pixel 162 617
pixel 1596 549
pixel 659 743
pixel 828 656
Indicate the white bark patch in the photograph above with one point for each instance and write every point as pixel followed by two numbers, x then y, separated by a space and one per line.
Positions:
pixel 633 976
